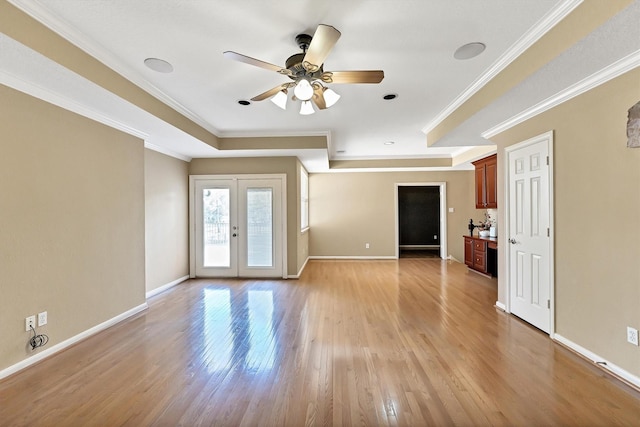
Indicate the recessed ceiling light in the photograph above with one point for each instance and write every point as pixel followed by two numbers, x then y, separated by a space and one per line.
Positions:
pixel 244 102
pixel 390 96
pixel 469 50
pixel 389 143
pixel 158 65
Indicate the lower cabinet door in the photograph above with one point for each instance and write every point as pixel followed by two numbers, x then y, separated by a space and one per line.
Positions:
pixel 480 262
pixel 468 251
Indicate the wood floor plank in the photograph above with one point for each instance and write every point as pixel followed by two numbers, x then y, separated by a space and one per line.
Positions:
pixel 407 342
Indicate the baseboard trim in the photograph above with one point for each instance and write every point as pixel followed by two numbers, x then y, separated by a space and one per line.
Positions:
pixel 350 257
pixel 297 276
pixel 602 363
pixel 163 288
pixel 501 306
pixel 71 341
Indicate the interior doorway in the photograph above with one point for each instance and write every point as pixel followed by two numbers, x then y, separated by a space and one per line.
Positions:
pixel 421 220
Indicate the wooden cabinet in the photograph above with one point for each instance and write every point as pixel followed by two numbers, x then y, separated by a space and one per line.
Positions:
pixel 486 182
pixel 480 254
pixel 475 254
pixel 468 251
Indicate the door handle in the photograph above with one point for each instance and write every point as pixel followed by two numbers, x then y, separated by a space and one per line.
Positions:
pixel 512 241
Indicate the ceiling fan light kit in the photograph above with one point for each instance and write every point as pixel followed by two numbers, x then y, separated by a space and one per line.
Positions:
pixel 280 99
pixel 306 108
pixel 330 97
pixel 303 90
pixel 306 69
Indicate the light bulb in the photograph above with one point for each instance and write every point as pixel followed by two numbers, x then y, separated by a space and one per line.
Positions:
pixel 280 99
pixel 306 108
pixel 303 90
pixel 330 97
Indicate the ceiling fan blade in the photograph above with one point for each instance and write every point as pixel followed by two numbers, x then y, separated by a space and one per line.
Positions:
pixel 318 97
pixel 269 93
pixel 256 62
pixel 322 42
pixel 368 76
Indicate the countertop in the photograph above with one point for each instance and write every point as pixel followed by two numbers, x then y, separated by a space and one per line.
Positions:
pixel 488 239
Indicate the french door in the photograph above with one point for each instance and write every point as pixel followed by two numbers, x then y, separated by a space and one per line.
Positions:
pixel 237 226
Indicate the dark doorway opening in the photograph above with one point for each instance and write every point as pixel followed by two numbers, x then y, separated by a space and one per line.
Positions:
pixel 419 221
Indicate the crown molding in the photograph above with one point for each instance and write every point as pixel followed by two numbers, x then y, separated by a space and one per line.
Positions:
pixel 610 72
pixel 66 103
pixel 551 19
pixel 167 152
pixel 273 134
pixel 103 55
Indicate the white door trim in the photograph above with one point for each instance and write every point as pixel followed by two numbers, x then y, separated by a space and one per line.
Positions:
pixel 192 216
pixel 504 239
pixel 443 214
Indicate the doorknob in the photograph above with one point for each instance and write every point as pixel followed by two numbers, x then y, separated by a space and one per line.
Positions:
pixel 512 241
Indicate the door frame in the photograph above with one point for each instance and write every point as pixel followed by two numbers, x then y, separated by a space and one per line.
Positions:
pixel 504 240
pixel 192 215
pixel 443 214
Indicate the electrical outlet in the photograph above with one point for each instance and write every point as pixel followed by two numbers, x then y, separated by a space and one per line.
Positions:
pixel 632 335
pixel 29 322
pixel 42 318
pixel 366 246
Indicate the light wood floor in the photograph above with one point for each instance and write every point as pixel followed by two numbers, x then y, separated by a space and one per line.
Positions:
pixel 408 342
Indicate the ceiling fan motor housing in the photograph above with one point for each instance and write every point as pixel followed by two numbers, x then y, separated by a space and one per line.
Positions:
pixel 303 41
pixel 294 62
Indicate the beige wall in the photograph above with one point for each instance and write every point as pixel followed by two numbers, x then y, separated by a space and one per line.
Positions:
pixel 166 194
pixel 264 165
pixel 71 222
pixel 597 212
pixel 348 210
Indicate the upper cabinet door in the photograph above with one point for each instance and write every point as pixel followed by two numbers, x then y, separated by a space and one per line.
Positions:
pixel 480 183
pixel 491 182
pixel 486 183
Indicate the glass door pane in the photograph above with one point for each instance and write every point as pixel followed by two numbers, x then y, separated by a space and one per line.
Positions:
pixel 215 244
pixel 260 212
pixel 216 227
pixel 259 227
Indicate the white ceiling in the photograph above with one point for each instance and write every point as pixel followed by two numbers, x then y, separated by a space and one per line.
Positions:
pixel 411 40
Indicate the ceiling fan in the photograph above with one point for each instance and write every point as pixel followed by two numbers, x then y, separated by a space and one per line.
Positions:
pixel 309 79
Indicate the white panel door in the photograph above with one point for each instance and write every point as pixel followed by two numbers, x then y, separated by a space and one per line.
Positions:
pixel 529 242
pixel 238 227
